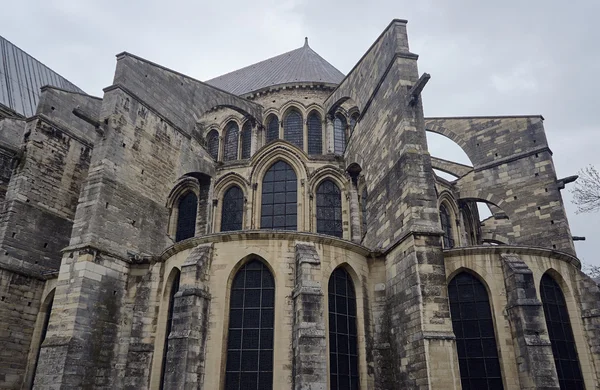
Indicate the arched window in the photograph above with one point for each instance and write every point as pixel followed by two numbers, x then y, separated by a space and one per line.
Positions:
pixel 246 139
pixel 279 207
pixel 561 334
pixel 343 343
pixel 186 216
pixel 231 142
pixel 315 133
pixel 293 130
pixel 272 129
pixel 329 209
pixel 250 337
pixel 446 227
pixel 363 204
pixel 172 292
pixel 212 144
pixel 353 120
pixel 232 212
pixel 474 329
pixel 339 134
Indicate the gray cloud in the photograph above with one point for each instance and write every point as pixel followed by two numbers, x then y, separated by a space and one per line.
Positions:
pixel 486 58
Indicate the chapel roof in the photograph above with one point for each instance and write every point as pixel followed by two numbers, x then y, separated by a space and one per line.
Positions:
pixel 299 65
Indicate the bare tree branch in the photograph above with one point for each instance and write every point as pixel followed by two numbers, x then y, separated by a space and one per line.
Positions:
pixel 586 192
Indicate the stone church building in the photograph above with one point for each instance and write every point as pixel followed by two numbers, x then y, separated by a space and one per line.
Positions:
pixel 282 227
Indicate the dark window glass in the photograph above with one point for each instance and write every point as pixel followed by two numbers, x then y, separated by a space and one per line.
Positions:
pixel 279 198
pixel 246 139
pixel 293 130
pixel 315 134
pixel 250 337
pixel 272 129
pixel 446 227
pixel 174 289
pixel 212 144
pixel 353 120
pixel 231 142
pixel 343 345
pixel 186 217
pixel 363 201
pixel 474 329
pixel 339 134
pixel 561 334
pixel 329 209
pixel 232 210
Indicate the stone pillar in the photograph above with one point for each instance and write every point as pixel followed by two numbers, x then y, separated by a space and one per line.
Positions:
pixel 186 344
pixel 254 139
pixel 355 226
pixel 526 317
pixel 589 298
pixel 83 336
pixel 309 340
pixel 329 134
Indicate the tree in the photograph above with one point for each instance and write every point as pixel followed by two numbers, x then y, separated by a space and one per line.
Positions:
pixel 586 192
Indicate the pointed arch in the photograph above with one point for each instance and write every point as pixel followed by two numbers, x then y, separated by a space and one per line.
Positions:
pixel 172 284
pixel 250 335
pixel 343 331
pixel 560 331
pixel 473 325
pixel 230 148
pixel 315 133
pixel 339 133
pixel 212 144
pixel 186 216
pixel 232 211
pixel 329 208
pixel 279 197
pixel 271 128
pixel 293 128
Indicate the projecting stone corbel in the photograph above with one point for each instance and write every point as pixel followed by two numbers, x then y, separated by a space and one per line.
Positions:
pixel 562 182
pixel 416 89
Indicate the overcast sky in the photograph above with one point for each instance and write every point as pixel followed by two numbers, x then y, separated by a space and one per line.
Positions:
pixel 486 58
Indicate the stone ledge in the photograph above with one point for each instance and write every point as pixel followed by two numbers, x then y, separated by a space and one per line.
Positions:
pixel 513 249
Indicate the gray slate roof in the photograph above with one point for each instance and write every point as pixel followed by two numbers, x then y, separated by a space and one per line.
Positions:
pixel 21 78
pixel 300 65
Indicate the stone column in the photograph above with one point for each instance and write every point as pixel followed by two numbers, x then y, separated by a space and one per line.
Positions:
pixel 355 226
pixel 186 344
pixel 254 139
pixel 589 298
pixel 309 340
pixel 526 317
pixel 329 134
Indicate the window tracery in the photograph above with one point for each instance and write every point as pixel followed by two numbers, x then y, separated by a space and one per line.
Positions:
pixel 279 207
pixel 558 323
pixel 293 129
pixel 339 134
pixel 246 139
pixel 186 216
pixel 343 335
pixel 232 211
pixel 474 330
pixel 251 327
pixel 446 222
pixel 315 134
pixel 329 209
pixel 212 144
pixel 231 142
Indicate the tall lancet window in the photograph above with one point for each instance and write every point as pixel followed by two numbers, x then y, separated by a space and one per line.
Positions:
pixel 272 132
pixel 446 223
pixel 172 292
pixel 474 329
pixel 279 203
pixel 246 139
pixel 363 205
pixel 561 334
pixel 339 134
pixel 232 212
pixel 231 142
pixel 293 129
pixel 212 144
pixel 250 336
pixel 315 133
pixel 329 209
pixel 186 216
pixel 343 339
